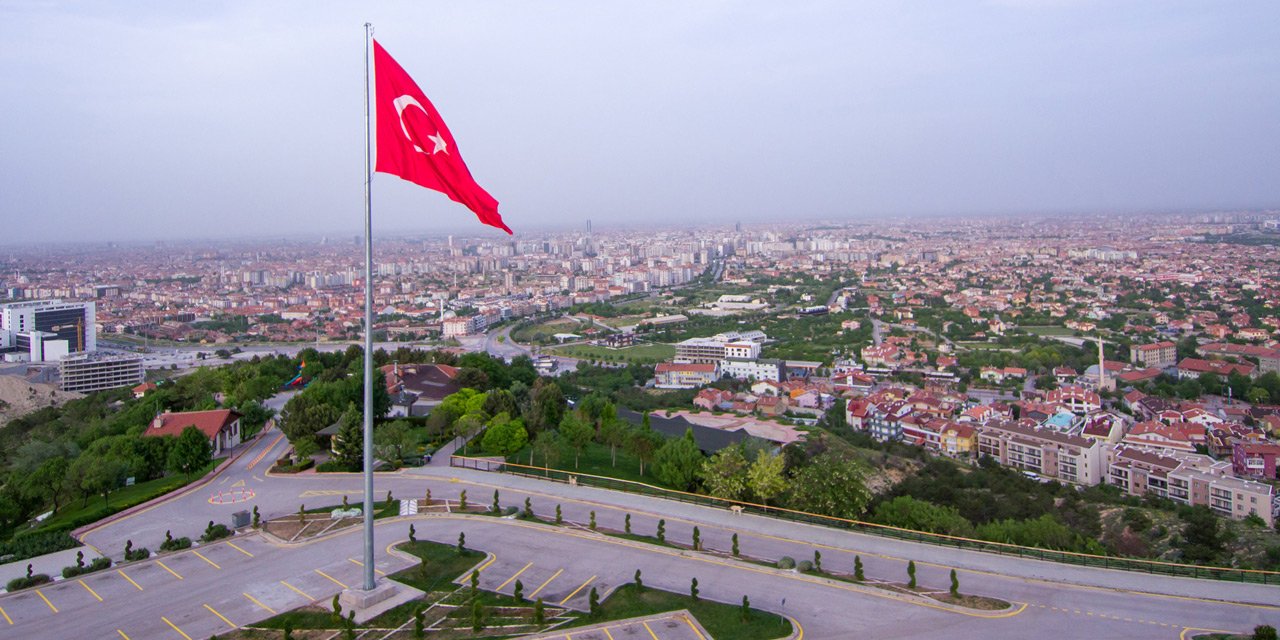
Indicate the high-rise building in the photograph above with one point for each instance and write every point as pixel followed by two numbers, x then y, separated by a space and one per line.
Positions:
pixel 46 330
pixel 89 372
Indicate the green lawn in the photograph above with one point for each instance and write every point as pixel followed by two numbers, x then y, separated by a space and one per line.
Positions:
pixel 78 513
pixel 654 352
pixel 722 621
pixel 595 460
pixel 1049 331
pixel 443 565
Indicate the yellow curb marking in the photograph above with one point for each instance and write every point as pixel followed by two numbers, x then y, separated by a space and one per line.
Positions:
pixel 237 548
pixel 575 591
pixel 651 633
pixel 297 591
pixel 91 591
pixel 46 600
pixel 6 616
pixel 361 564
pixel 175 628
pixel 201 556
pixel 166 568
pixel 332 579
pixel 544 585
pixel 221 617
pixel 126 577
pixel 517 575
pixel 255 601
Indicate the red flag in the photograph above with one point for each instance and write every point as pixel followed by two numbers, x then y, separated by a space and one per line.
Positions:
pixel 414 143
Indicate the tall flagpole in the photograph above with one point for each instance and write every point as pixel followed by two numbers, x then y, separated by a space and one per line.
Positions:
pixel 368 329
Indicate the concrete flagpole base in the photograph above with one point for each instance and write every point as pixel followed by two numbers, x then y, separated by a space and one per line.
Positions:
pixel 385 595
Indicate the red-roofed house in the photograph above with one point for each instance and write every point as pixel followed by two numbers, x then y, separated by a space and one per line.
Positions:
pixel 1160 436
pixel 221 426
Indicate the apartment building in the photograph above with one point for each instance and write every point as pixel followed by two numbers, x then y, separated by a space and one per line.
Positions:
pixel 1045 452
pixel 1161 355
pixel 90 372
pixel 1189 479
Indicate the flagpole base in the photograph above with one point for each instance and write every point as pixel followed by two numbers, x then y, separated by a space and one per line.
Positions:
pixel 369 604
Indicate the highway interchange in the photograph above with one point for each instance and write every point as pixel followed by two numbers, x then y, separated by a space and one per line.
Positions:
pixel 215 587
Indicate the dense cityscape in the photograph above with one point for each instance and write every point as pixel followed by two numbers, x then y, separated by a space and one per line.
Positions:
pixel 738 321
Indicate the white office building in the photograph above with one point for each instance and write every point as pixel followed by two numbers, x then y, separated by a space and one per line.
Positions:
pixel 46 330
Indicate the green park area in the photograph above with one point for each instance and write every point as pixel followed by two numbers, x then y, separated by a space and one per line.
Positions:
pixel 643 354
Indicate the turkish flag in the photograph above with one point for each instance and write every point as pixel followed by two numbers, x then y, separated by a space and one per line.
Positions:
pixel 414 143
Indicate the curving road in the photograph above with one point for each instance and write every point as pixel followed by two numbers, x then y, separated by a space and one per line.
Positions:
pixel 214 587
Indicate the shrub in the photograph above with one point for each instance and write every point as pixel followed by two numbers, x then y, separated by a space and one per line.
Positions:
pixel 786 562
pixel 174 544
pixel 215 532
pixel 27 581
pixel 510 511
pixel 332 466
pixel 97 564
pixel 804 566
pixel 141 553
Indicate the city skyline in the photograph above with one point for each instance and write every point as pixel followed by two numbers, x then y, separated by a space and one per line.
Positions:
pixel 248 120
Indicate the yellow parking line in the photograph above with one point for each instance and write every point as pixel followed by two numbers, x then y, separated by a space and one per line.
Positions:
pixel 651 633
pixel 332 579
pixel 6 616
pixel 221 617
pixel 233 546
pixel 297 591
pixel 361 564
pixel 607 634
pixel 126 577
pixel 122 635
pixel 91 591
pixel 201 556
pixel 486 563
pixel 575 591
pixel 46 600
pixel 517 575
pixel 694 627
pixel 184 633
pixel 255 601
pixel 166 568
pixel 544 585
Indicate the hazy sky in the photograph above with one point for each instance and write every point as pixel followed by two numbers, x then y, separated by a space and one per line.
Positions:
pixel 189 119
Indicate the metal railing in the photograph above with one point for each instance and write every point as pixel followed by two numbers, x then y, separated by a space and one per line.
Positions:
pixel 497 465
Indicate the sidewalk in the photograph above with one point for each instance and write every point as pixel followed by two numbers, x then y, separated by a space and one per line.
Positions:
pixel 49 563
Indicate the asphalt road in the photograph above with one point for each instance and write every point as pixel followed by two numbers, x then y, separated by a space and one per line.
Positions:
pixel 211 588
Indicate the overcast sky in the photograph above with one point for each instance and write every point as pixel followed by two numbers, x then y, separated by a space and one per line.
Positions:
pixel 204 119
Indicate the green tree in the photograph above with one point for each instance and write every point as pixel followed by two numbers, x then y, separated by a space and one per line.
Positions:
pixel 765 477
pixel 106 475
pixel 190 452
pixel 348 444
pixel 46 484
pixel 918 515
pixel 643 443
pixel 678 461
pixel 577 433
pixel 547 447
pixel 391 442
pixel 546 407
pixel 500 401
pixel 725 474
pixel 505 435
pixel 831 484
pixel 613 434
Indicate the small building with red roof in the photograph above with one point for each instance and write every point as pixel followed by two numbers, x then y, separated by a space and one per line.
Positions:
pixel 221 426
